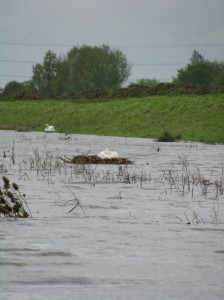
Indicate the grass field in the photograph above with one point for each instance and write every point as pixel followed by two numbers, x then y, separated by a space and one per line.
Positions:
pixel 194 117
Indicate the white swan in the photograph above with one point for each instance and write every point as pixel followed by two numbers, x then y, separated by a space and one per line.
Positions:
pixel 108 153
pixel 49 128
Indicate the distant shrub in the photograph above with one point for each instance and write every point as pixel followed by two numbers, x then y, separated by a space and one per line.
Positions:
pixel 147 82
pixel 168 137
pixel 12 88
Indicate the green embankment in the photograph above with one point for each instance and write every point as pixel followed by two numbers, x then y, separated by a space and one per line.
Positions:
pixel 194 117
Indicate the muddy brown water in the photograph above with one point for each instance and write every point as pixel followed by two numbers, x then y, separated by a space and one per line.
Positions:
pixel 129 237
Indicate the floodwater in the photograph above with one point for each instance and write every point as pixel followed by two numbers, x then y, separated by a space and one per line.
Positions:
pixel 150 230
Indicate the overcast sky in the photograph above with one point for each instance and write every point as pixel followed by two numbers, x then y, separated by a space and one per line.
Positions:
pixel 157 36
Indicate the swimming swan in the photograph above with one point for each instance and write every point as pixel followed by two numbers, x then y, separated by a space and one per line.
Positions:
pixel 108 153
pixel 49 128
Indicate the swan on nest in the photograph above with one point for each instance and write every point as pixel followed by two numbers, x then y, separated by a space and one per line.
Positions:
pixel 49 128
pixel 108 153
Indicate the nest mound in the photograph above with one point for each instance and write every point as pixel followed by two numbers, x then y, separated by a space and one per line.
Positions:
pixel 94 159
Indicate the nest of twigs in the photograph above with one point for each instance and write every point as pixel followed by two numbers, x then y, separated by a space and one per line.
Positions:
pixel 94 159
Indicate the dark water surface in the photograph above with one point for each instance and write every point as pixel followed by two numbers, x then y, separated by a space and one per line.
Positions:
pixel 129 238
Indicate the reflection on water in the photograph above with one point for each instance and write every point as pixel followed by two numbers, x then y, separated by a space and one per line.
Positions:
pixel 129 237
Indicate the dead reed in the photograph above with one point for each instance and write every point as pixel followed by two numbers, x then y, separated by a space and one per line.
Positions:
pixel 12 202
pixel 185 178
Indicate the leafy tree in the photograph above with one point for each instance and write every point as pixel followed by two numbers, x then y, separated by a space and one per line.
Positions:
pixel 61 82
pixel 196 58
pixel 218 73
pixel 201 72
pixel 12 88
pixel 96 67
pixel 83 68
pixel 44 75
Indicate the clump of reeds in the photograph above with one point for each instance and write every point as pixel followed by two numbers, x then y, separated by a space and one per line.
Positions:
pixel 185 179
pixel 12 202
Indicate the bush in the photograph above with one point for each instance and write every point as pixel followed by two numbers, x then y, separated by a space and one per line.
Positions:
pixel 12 88
pixel 168 137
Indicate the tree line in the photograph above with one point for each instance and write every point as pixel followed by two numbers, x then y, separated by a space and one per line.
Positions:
pixel 82 68
pixel 87 68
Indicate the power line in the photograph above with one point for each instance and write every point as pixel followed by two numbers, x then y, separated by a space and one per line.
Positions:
pixel 134 64
pixel 123 34
pixel 157 64
pixel 13 75
pixel 18 61
pixel 35 44
pixel 119 46
pixel 172 45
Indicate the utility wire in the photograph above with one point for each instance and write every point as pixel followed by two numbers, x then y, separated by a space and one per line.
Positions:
pixel 99 34
pixel 18 61
pixel 19 76
pixel 119 46
pixel 134 64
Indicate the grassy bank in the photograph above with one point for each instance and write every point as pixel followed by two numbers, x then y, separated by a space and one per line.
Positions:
pixel 194 117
